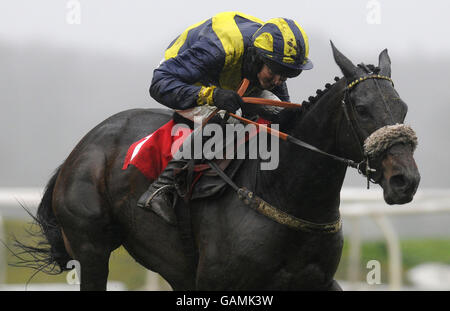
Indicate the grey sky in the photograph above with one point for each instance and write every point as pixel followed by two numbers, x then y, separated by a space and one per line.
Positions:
pixel 140 27
pixel 63 79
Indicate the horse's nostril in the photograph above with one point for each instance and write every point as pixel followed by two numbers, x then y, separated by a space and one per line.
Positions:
pixel 398 181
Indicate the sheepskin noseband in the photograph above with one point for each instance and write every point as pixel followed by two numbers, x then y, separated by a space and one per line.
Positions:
pixel 387 136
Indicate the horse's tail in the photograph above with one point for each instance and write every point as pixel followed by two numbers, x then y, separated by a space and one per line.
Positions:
pixel 49 255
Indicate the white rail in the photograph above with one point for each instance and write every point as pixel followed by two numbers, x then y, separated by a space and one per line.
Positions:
pixel 358 203
pixel 13 197
pixel 355 204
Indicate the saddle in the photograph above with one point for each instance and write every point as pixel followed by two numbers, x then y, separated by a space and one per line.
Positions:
pixel 151 154
pixel 195 182
pixel 199 181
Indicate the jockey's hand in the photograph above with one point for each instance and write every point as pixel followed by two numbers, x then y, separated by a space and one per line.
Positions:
pixel 227 100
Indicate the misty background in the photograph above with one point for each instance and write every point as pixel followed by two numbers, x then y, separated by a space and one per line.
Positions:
pixel 65 66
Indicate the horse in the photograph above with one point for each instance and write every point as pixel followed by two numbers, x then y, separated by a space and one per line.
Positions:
pixel 89 205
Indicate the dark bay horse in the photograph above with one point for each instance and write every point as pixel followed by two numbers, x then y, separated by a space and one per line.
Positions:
pixel 89 206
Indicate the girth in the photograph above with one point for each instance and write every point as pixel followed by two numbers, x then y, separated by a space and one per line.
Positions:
pixel 277 215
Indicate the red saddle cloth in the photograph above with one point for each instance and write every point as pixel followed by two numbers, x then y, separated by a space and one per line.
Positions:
pixel 152 153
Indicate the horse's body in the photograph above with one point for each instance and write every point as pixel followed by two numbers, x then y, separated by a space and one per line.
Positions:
pixel 93 203
pixel 231 237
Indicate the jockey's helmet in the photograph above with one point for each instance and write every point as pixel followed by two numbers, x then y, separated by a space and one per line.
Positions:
pixel 283 46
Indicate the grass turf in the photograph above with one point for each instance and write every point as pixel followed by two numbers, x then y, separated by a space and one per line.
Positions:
pixel 125 269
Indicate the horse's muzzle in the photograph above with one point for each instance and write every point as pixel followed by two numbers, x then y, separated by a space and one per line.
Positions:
pixel 395 145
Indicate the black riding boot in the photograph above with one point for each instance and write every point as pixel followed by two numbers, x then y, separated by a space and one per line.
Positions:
pixel 159 197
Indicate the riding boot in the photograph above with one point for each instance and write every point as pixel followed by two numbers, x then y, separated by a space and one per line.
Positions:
pixel 160 196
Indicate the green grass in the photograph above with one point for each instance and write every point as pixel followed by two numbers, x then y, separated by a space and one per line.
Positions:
pixel 125 269
pixel 414 252
pixel 122 267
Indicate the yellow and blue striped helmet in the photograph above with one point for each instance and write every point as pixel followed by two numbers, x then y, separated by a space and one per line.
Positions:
pixel 283 41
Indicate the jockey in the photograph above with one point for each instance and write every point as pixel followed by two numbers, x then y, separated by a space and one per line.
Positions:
pixel 205 65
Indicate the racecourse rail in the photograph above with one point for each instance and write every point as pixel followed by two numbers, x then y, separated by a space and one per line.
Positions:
pixel 355 204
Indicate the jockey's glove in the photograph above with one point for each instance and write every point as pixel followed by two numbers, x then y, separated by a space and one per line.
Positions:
pixel 227 100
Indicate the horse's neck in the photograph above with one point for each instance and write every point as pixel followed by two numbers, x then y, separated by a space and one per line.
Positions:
pixel 307 184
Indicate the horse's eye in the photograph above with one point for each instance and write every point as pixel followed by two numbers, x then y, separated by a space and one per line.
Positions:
pixel 362 111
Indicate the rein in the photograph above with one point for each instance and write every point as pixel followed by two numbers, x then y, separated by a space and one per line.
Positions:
pixel 287 137
pixel 264 208
pixel 353 125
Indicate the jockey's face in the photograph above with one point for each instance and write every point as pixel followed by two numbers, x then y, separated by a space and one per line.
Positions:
pixel 268 80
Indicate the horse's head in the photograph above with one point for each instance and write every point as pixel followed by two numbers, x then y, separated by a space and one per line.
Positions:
pixel 374 116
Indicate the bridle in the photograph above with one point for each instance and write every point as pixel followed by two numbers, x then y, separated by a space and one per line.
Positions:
pixel 355 126
pixel 363 167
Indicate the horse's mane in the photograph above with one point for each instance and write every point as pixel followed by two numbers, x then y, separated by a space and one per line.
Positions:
pixel 289 116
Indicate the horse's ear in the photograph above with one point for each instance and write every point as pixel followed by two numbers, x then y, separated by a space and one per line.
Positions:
pixel 349 70
pixel 384 63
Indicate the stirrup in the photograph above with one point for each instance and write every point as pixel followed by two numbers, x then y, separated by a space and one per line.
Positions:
pixel 147 204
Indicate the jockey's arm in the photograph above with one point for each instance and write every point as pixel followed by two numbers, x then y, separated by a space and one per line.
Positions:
pixel 173 83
